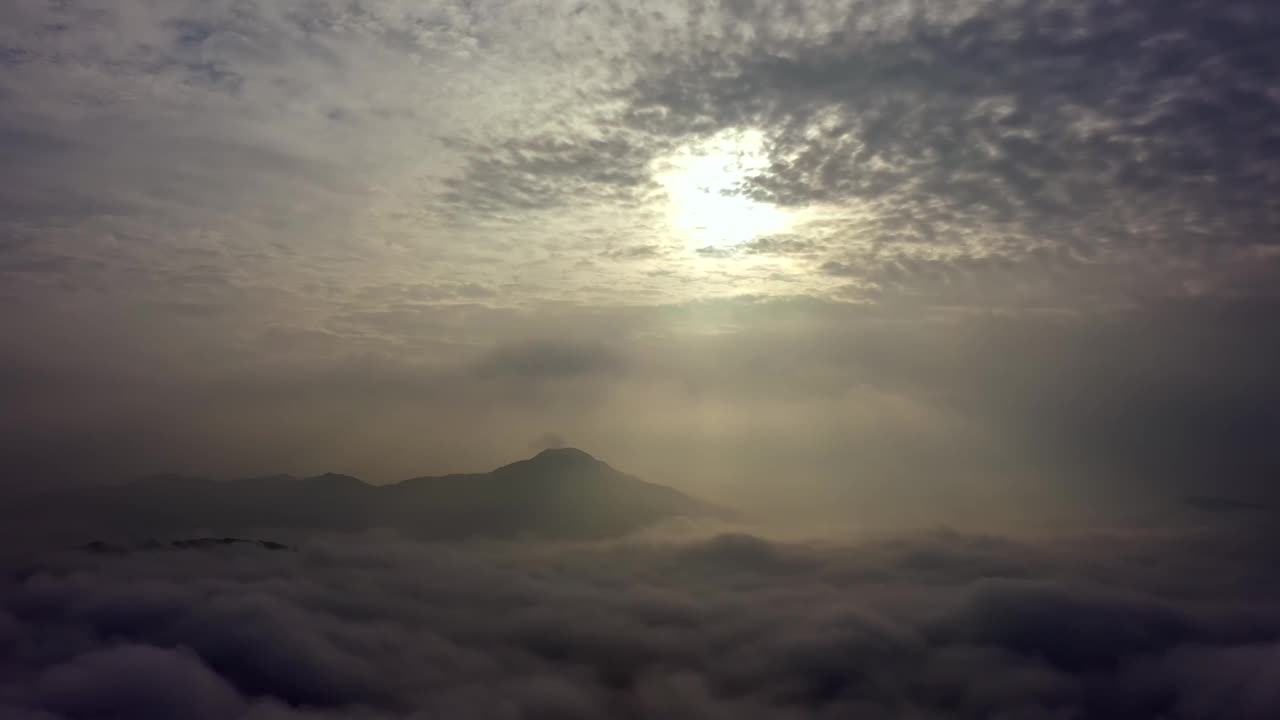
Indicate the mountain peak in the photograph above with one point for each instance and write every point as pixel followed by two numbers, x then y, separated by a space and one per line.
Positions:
pixel 331 479
pixel 558 493
pixel 563 459
pixel 556 461
pixel 565 454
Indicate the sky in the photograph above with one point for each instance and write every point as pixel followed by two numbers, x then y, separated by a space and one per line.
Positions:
pixel 848 261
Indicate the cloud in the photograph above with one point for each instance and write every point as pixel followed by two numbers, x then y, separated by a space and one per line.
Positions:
pixel 546 171
pixel 635 252
pixel 992 132
pixel 839 269
pixel 551 358
pixel 137 681
pixel 548 440
pixel 488 141
pixel 1072 628
pixel 660 626
pixel 780 245
pixel 714 252
pixel 1223 504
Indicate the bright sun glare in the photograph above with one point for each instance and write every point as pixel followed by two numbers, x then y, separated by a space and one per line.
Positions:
pixel 704 186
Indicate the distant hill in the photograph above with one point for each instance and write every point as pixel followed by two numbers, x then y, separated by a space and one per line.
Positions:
pixel 561 493
pixel 99 547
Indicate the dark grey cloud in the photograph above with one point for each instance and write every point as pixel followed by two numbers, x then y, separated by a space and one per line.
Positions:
pixel 1134 142
pixel 941 624
pixel 550 358
pixel 999 102
pixel 780 245
pixel 137 681
pixel 634 252
pixel 545 171
pixel 711 251
pixel 1140 140
pixel 838 269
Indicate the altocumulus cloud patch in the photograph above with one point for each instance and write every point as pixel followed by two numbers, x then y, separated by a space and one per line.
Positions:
pixel 933 625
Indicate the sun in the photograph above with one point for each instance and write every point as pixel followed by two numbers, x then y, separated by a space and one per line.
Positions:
pixel 704 183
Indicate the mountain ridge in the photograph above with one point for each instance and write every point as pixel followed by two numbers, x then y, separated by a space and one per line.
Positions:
pixel 557 458
pixel 558 493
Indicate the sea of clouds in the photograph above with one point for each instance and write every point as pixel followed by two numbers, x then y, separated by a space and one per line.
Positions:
pixel 933 624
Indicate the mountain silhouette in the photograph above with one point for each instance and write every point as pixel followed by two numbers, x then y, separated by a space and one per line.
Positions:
pixel 561 493
pixel 99 547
